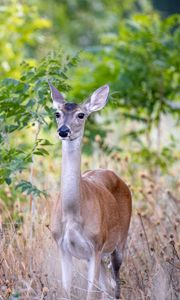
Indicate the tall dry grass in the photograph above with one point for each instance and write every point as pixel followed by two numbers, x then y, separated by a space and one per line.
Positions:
pixel 29 261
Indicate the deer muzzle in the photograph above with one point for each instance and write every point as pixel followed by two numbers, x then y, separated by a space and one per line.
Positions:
pixel 63 131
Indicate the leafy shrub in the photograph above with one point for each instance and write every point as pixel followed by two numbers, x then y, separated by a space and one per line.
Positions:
pixel 24 103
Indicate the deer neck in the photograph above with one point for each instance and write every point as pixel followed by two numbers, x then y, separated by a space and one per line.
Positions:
pixel 71 179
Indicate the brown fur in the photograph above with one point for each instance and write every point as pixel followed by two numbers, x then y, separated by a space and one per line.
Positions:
pixel 105 212
pixel 109 206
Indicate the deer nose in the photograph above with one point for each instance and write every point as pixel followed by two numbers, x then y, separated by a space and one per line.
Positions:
pixel 63 131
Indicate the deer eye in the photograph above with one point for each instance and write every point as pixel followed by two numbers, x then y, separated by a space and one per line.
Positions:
pixel 81 115
pixel 57 114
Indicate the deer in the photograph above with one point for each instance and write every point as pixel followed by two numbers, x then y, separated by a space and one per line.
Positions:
pixel 91 217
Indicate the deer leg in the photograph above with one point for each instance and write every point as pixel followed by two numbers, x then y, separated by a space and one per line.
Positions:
pixel 93 276
pixel 102 278
pixel 116 260
pixel 66 271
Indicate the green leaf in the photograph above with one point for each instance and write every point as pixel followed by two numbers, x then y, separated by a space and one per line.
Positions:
pixel 8 180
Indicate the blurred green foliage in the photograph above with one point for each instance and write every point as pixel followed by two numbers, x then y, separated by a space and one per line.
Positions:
pixel 123 43
pixel 141 63
pixel 21 37
pixel 78 24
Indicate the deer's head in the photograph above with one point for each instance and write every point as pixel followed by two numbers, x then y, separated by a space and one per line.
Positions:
pixel 71 116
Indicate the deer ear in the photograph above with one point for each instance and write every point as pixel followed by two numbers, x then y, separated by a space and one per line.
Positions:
pixel 56 96
pixel 97 100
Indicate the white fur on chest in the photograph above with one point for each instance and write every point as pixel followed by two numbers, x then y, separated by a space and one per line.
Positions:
pixel 74 241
